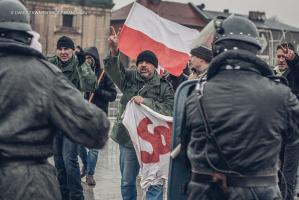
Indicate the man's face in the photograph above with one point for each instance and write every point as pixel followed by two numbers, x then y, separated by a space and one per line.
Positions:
pixel 281 59
pixel 146 69
pixel 197 63
pixel 64 54
pixel 89 60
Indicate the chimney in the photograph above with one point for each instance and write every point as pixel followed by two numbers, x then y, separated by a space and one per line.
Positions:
pixel 201 6
pixel 257 16
pixel 226 11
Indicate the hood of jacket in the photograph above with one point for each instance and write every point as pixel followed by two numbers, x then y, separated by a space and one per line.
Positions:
pixel 92 51
pixel 235 58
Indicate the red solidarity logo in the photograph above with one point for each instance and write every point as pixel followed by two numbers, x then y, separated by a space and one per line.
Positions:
pixel 161 133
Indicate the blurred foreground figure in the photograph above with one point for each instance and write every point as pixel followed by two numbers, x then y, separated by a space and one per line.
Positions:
pixel 238 119
pixel 36 101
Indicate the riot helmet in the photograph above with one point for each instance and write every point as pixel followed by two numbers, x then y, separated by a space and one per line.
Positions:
pixel 234 30
pixel 14 16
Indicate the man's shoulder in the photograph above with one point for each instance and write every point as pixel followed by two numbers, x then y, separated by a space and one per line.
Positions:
pixel 52 59
pixel 51 66
pixel 165 83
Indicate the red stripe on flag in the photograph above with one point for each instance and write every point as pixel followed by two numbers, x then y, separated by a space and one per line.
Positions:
pixel 132 42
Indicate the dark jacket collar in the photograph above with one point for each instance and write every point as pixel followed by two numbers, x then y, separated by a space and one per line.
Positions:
pixel 247 60
pixel 8 46
pixel 70 65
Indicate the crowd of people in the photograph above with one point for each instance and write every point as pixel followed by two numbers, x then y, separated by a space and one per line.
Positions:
pixel 242 120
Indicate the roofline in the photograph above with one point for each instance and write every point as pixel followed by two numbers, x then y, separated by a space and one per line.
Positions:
pixel 201 13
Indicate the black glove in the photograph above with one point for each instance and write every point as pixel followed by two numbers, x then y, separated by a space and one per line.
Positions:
pixel 81 57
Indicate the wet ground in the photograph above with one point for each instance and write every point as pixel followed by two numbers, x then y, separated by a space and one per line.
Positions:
pixel 107 176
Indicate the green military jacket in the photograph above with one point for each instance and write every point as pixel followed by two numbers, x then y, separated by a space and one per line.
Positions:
pixel 157 93
pixel 82 76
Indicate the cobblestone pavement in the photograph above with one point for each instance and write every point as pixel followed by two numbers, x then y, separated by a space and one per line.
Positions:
pixel 107 176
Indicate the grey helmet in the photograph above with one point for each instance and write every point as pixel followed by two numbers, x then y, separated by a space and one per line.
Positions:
pixel 236 28
pixel 14 16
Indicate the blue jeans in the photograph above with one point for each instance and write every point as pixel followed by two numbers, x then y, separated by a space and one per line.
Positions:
pixel 155 192
pixel 129 169
pixel 67 166
pixel 89 159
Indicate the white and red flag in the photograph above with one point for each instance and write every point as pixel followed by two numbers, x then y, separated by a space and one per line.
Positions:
pixel 170 41
pixel 150 133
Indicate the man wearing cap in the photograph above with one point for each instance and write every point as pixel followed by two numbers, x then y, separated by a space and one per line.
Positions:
pixel 199 61
pixel 36 101
pixel 65 154
pixel 143 86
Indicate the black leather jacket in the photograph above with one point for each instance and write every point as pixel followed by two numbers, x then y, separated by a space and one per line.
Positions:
pixel 249 113
pixel 292 75
pixel 36 101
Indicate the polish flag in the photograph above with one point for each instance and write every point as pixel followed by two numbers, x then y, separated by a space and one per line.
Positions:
pixel 170 41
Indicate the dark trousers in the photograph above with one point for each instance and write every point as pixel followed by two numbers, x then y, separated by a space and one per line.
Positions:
pixel 28 181
pixel 290 158
pixel 205 191
pixel 67 166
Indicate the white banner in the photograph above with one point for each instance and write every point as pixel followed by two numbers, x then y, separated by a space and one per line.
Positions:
pixel 150 133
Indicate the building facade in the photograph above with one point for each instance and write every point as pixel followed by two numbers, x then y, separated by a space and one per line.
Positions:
pixel 87 22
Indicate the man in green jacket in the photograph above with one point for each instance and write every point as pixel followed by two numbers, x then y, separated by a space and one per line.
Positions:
pixel 143 86
pixel 65 151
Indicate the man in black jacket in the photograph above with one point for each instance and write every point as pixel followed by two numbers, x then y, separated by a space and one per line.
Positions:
pixel 237 120
pixel 36 101
pixel 288 67
pixel 105 93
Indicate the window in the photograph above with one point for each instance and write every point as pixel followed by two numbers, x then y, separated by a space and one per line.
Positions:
pixel 67 20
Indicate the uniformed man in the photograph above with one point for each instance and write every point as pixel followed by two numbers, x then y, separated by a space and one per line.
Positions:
pixel 238 119
pixel 36 101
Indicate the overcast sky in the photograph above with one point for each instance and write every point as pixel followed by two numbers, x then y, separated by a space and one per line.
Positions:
pixel 287 11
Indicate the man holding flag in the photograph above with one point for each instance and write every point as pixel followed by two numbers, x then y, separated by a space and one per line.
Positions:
pixel 141 86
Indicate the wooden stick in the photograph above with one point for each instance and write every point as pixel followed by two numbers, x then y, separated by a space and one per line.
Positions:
pixel 98 83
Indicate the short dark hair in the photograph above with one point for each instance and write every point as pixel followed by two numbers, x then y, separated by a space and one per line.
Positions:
pixel 285 45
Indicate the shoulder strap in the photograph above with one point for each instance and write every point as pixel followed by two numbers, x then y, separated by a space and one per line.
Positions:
pixel 209 132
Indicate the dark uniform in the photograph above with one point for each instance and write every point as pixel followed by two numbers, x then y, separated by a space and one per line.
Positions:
pixel 36 101
pixel 235 138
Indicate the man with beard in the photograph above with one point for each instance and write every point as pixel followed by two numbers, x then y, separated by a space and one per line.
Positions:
pixel 143 86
